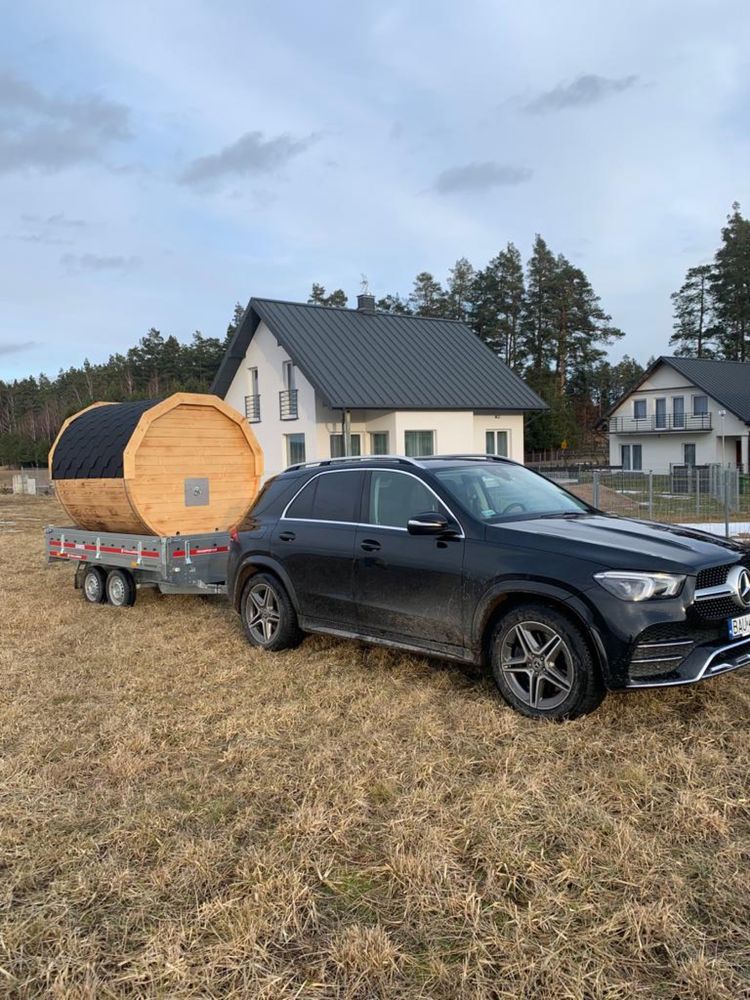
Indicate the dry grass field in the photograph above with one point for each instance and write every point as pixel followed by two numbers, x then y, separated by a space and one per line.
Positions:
pixel 185 817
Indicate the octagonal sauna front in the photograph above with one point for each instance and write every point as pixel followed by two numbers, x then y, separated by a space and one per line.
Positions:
pixel 186 464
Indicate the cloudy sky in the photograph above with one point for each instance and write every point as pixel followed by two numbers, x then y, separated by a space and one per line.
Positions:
pixel 161 160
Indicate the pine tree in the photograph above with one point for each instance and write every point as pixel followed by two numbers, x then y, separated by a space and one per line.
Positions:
pixel 539 319
pixel 393 304
pixel 459 291
pixel 730 287
pixel 498 295
pixel 427 296
pixel 694 314
pixel 318 297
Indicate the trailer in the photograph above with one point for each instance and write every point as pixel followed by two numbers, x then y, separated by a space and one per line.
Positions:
pixel 111 566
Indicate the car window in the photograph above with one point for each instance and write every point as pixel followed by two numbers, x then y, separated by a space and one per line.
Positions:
pixel 395 497
pixel 330 496
pixel 493 492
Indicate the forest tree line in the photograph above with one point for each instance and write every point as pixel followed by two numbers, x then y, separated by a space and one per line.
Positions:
pixel 542 317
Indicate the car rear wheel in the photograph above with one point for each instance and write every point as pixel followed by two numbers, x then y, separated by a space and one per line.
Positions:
pixel 268 617
pixel 543 666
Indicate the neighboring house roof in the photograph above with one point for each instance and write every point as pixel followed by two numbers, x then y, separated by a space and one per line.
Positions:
pixel 372 360
pixel 728 382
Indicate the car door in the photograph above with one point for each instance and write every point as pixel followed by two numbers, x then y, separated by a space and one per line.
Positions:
pixel 407 586
pixel 314 542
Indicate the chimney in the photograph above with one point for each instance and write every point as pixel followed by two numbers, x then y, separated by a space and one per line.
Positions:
pixel 365 303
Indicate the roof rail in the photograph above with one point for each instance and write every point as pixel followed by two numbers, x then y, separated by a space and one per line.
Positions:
pixel 477 457
pixel 352 458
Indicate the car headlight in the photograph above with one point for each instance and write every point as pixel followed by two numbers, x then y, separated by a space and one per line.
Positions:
pixel 640 586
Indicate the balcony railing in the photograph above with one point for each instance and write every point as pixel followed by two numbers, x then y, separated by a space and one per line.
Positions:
pixel 252 409
pixel 688 423
pixel 288 404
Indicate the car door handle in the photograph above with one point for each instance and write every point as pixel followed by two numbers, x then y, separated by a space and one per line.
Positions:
pixel 287 536
pixel 370 545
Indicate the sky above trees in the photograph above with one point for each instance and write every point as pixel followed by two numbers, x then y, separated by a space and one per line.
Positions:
pixel 160 161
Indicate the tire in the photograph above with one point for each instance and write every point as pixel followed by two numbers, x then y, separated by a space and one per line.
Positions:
pixel 121 589
pixel 268 617
pixel 93 585
pixel 563 684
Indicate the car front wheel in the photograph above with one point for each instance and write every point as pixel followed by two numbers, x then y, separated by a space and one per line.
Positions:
pixel 268 615
pixel 543 666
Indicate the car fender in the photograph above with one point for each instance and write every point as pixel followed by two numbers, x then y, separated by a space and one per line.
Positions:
pixel 259 561
pixel 574 600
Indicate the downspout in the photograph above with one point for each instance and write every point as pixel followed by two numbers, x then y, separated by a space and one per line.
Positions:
pixel 346 427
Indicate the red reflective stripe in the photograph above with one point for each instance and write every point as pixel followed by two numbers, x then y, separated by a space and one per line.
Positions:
pixel 181 553
pixel 110 549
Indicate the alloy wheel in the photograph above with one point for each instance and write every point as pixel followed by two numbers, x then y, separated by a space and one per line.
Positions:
pixel 264 617
pixel 537 664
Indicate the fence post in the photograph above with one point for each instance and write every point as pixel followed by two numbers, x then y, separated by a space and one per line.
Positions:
pixel 650 494
pixel 595 488
pixel 697 491
pixel 726 501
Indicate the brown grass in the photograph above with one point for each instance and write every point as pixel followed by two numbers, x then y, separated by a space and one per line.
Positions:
pixel 183 816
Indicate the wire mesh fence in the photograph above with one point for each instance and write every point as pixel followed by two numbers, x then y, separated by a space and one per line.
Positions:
pixel 712 497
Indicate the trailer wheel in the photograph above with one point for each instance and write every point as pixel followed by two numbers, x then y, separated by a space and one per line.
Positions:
pixel 93 585
pixel 121 588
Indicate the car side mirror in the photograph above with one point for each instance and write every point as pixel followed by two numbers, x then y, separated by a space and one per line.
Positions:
pixel 431 523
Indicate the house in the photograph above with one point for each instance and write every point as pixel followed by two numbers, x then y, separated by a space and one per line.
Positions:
pixel 319 382
pixel 683 412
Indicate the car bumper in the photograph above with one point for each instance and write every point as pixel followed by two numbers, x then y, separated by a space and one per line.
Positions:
pixel 704 661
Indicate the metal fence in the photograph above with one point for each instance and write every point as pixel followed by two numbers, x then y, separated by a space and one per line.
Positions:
pixel 712 497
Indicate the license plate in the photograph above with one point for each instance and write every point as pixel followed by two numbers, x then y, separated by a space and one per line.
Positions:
pixel 739 628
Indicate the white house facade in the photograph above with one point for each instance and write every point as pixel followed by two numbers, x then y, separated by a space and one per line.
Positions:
pixel 684 412
pixel 318 383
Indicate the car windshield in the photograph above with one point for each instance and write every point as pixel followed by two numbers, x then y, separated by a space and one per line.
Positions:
pixel 496 491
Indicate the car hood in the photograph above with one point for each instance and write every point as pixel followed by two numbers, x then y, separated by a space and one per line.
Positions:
pixel 622 543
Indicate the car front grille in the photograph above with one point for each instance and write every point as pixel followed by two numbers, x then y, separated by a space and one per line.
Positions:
pixel 714 607
pixel 713 577
pixel 718 608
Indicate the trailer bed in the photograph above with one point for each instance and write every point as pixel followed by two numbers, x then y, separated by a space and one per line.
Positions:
pixel 175 564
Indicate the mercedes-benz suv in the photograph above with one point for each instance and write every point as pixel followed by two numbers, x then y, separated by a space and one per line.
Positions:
pixel 477 558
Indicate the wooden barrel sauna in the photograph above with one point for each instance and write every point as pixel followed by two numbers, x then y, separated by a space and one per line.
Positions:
pixel 186 464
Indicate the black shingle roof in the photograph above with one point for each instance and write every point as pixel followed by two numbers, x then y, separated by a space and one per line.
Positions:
pixel 361 360
pixel 728 382
pixel 93 443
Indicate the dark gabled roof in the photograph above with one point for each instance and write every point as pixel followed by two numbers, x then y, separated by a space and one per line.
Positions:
pixel 363 360
pixel 92 445
pixel 728 382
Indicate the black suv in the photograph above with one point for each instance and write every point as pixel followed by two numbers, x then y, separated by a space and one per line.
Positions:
pixel 477 558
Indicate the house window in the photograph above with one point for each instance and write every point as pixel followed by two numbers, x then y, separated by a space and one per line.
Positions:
pixel 419 443
pixel 678 411
pixel 639 409
pixel 700 405
pixel 688 451
pixel 661 414
pixel 379 443
pixel 252 402
pixel 496 443
pixel 288 373
pixel 295 448
pixel 637 457
pixel 337 445
pixel 631 457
